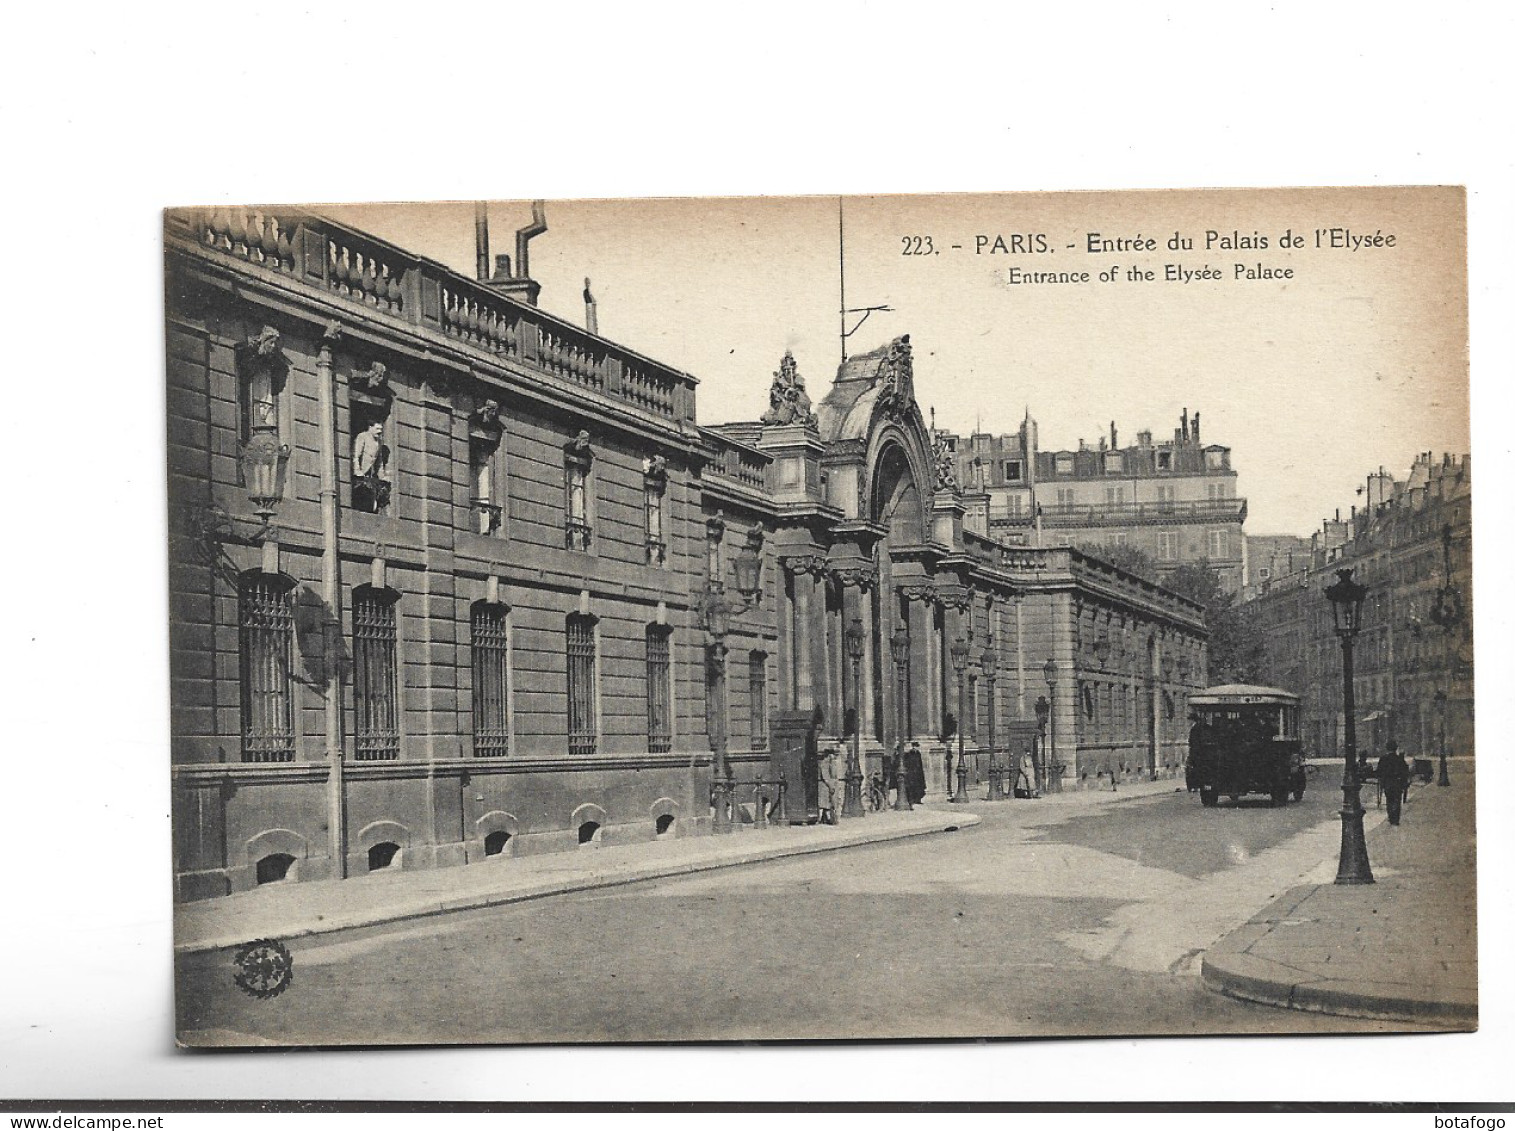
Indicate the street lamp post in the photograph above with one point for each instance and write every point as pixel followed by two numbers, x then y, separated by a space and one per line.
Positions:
pixel 899 647
pixel 989 662
pixel 719 610
pixel 960 665
pixel 1054 767
pixel 1346 597
pixel 1039 763
pixel 1447 613
pixel 852 803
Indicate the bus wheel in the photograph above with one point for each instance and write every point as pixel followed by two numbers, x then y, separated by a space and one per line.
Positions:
pixel 1280 796
pixel 1207 797
pixel 1299 795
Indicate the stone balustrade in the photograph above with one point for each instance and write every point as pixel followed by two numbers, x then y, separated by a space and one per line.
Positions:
pixel 314 251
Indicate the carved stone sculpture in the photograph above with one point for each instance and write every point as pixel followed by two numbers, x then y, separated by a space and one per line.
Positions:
pixel 788 403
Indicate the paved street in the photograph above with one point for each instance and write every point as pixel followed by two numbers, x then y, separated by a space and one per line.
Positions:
pixel 1040 921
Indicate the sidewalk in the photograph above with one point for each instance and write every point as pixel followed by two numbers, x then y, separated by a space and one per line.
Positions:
pixel 1403 948
pixel 286 911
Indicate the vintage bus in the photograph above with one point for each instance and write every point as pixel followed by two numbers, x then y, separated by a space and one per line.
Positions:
pixel 1245 739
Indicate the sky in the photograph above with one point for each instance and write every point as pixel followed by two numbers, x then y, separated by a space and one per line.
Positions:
pixel 1357 359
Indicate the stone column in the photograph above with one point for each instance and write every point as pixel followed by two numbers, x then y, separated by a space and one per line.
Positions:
pixel 807 645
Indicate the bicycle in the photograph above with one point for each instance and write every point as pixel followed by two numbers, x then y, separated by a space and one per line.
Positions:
pixel 876 793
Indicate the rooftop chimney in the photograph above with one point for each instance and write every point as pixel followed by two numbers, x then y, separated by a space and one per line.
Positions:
pixel 1195 430
pixel 591 314
pixel 1113 444
pixel 481 240
pixel 519 284
pixel 1184 420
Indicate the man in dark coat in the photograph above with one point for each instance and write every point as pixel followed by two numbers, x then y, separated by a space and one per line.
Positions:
pixel 1393 779
pixel 915 774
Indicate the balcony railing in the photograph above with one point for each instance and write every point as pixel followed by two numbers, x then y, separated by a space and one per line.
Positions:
pixel 1090 514
pixel 319 253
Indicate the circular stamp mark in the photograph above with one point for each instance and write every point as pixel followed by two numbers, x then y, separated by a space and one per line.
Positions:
pixel 264 968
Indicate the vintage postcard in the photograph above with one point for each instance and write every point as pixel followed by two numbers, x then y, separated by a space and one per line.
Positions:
pixel 763 619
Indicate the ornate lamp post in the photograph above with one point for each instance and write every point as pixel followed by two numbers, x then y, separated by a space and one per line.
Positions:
pixel 719 609
pixel 1346 598
pixel 852 803
pixel 1039 763
pixel 1446 613
pixel 899 648
pixel 960 665
pixel 989 663
pixel 1054 767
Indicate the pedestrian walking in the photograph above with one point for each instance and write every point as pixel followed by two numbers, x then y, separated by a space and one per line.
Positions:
pixel 827 783
pixel 1393 779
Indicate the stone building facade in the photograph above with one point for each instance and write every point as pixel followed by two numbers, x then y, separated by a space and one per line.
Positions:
pixel 452 579
pixel 1174 500
pixel 1411 545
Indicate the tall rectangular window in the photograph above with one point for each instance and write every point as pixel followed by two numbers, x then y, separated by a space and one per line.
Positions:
pixel 267 625
pixel 491 682
pixel 375 675
pixel 1065 496
pixel 659 692
pixel 576 532
pixel 1167 545
pixel 583 725
pixel 657 548
pixel 757 698
pixel 1220 544
pixel 486 501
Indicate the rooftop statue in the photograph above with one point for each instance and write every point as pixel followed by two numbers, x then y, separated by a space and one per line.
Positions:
pixel 946 473
pixel 788 403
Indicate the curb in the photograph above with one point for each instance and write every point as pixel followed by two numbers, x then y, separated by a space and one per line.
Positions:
pixel 1249 978
pixel 951 822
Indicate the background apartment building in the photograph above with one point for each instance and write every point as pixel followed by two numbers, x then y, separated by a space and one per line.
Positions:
pixel 1174 500
pixel 1410 542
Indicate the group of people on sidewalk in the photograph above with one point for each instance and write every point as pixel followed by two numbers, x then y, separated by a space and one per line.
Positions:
pixel 829 792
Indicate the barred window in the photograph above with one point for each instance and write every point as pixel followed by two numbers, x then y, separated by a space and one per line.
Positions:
pixel 375 675
pixel 757 698
pixel 583 729
pixel 491 682
pixel 659 692
pixel 267 627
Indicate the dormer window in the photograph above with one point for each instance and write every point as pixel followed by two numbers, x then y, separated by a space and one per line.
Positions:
pixel 1114 461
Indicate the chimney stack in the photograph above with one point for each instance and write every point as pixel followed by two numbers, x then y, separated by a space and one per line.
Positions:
pixel 1113 444
pixel 1196 428
pixel 481 240
pixel 1184 420
pixel 591 314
